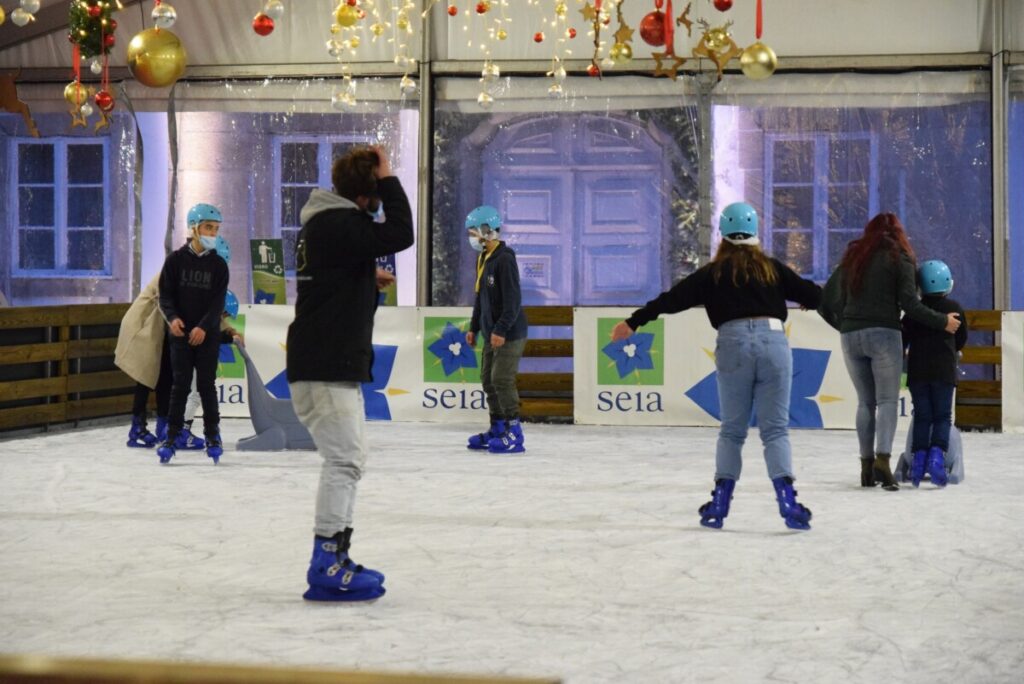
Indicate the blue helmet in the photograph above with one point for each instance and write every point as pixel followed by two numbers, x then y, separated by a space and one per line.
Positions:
pixel 203 212
pixel 223 249
pixel 935 277
pixel 739 218
pixel 231 304
pixel 485 214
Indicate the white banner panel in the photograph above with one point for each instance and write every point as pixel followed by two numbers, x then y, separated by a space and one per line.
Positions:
pixel 1012 342
pixel 665 373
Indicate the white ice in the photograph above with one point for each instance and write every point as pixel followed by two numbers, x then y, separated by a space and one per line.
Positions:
pixel 581 558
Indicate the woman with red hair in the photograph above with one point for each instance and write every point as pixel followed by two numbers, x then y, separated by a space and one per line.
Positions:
pixel 862 300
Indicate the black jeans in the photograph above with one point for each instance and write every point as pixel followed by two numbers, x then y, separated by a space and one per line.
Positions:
pixel 933 414
pixel 163 388
pixel 201 360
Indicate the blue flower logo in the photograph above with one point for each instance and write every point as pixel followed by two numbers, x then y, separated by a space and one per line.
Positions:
pixel 452 350
pixel 632 354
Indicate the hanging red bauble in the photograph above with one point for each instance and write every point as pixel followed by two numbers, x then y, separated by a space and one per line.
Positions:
pixel 723 5
pixel 652 29
pixel 111 26
pixel 482 7
pixel 538 37
pixel 593 70
pixel 452 10
pixel 262 24
pixel 109 40
pixel 572 32
pixel 95 11
pixel 352 3
pixel 104 100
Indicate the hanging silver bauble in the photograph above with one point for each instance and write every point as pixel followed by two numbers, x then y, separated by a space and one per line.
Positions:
pixel 164 16
pixel 30 6
pixel 274 9
pixel 559 73
pixel 20 17
pixel 86 110
pixel 407 85
pixel 334 48
pixel 490 72
pixel 555 90
pixel 96 67
pixel 485 100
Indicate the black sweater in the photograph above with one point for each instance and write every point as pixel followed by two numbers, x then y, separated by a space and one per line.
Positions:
pixel 193 287
pixel 932 355
pixel 497 307
pixel 727 302
pixel 331 338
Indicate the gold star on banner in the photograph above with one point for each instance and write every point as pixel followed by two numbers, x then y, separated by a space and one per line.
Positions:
pixel 624 34
pixel 588 12
pixel 669 71
pixel 684 20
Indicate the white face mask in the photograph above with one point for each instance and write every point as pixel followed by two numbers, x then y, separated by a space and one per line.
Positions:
pixel 208 242
pixel 475 243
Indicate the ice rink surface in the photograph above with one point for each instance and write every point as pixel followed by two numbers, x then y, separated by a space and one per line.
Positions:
pixel 581 558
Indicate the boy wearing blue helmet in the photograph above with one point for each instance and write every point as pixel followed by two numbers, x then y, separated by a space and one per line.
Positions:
pixel 499 318
pixel 193 285
pixel 931 374
pixel 744 292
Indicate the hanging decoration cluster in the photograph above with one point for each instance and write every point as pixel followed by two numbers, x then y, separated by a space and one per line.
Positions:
pixel 264 22
pixel 24 14
pixel 91 27
pixel 563 34
pixel 156 57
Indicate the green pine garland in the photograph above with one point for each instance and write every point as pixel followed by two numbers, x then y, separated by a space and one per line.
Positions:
pixel 87 31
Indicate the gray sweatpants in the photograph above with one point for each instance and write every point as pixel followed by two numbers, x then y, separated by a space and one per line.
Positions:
pixel 334 415
pixel 498 369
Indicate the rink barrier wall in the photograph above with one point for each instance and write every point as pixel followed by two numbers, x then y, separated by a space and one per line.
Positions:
pixel 26 669
pixel 56 366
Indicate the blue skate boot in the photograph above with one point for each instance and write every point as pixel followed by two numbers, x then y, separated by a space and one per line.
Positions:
pixel 483 440
pixel 509 442
pixel 937 466
pixel 332 576
pixel 139 436
pixel 166 450
pixel 917 467
pixel 214 447
pixel 712 514
pixel 796 515
pixel 161 428
pixel 187 441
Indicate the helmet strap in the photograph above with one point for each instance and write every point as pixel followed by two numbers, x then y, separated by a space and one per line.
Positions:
pixel 746 240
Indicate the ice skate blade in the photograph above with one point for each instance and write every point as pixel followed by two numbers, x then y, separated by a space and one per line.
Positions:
pixel 714 523
pixel 482 447
pixel 135 445
pixel 797 525
pixel 517 449
pixel 324 594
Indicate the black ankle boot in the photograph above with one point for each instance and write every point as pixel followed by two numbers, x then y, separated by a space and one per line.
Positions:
pixel 867 472
pixel 883 474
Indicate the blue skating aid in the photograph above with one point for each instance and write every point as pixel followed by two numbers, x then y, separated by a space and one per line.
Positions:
pixel 712 514
pixel 139 437
pixel 796 515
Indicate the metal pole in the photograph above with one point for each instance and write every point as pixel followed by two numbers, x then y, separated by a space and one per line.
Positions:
pixel 424 210
pixel 1000 219
pixel 706 82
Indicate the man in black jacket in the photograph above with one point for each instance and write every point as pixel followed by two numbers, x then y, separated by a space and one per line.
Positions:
pixel 330 350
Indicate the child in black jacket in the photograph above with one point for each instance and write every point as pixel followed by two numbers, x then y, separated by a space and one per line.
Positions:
pixel 931 374
pixel 193 286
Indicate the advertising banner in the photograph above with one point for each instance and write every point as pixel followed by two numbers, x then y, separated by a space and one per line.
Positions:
pixel 1012 342
pixel 268 286
pixel 665 373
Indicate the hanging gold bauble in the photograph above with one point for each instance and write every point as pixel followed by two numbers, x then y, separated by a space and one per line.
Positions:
pixel 77 94
pixel 3 16
pixel 346 15
pixel 156 58
pixel 377 29
pixel 620 53
pixel 716 38
pixel 758 61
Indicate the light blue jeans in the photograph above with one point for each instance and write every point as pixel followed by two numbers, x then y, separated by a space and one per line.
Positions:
pixel 874 359
pixel 755 374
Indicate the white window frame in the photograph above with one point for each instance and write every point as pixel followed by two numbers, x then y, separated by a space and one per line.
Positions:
pixel 820 184
pixel 60 194
pixel 325 160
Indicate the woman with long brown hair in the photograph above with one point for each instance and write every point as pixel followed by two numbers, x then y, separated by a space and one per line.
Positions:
pixel 875 279
pixel 744 293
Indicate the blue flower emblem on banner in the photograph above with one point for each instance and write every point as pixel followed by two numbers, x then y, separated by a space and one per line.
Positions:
pixel 631 354
pixel 453 350
pixel 808 373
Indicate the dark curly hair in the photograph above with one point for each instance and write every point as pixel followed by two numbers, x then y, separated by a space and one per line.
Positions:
pixel 352 173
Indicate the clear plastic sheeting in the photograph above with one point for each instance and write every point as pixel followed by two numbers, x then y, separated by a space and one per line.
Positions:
pixel 256 149
pixel 819 155
pixel 597 188
pixel 1015 182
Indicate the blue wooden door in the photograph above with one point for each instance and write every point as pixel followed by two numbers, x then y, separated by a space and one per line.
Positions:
pixel 580 201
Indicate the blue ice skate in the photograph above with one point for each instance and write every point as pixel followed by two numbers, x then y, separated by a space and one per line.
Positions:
pixel 712 514
pixel 482 441
pixel 332 576
pixel 510 441
pixel 166 451
pixel 214 447
pixel 188 442
pixel 161 428
pixel 917 467
pixel 139 436
pixel 796 515
pixel 937 466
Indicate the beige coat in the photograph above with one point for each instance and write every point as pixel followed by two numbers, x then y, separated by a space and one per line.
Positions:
pixel 141 338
